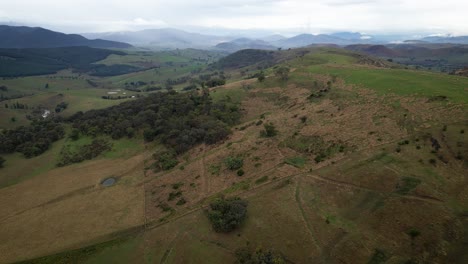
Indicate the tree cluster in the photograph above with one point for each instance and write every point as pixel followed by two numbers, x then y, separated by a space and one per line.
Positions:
pixel 227 214
pixel 86 152
pixel 31 140
pixel 60 107
pixel 179 120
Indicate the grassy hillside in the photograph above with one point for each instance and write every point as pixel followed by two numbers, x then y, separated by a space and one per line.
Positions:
pixel 85 91
pixel 27 62
pixel 366 164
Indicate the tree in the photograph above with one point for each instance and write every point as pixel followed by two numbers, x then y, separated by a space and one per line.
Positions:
pixel 75 134
pixel 2 160
pixel 261 76
pixel 270 130
pixel 282 73
pixel 234 163
pixel 227 214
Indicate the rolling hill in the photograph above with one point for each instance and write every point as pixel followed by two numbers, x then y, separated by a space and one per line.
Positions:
pixel 36 37
pixel 436 56
pixel 349 159
pixel 244 43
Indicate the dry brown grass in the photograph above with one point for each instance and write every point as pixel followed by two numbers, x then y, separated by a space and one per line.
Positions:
pixel 67 207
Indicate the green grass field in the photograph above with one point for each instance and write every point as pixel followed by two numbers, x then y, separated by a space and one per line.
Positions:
pixel 401 82
pixel 382 80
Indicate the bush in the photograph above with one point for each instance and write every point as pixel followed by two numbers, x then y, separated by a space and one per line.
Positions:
pixel 174 195
pixel 2 160
pixel 282 73
pixel 379 257
pixel 240 172
pixel 298 162
pixel 75 134
pixel 227 214
pixel 234 163
pixel 413 233
pixel 165 160
pixel 270 130
pixel 182 201
pixel 248 256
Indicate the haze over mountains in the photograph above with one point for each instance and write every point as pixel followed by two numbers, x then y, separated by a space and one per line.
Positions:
pixel 169 38
pixel 176 38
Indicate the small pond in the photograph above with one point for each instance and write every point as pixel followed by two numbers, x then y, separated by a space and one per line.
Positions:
pixel 108 182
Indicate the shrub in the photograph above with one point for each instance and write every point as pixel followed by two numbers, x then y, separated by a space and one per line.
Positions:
pixel 270 130
pixel 176 186
pixel 227 214
pixel 297 162
pixel 234 163
pixel 282 73
pixel 2 160
pixel 261 76
pixel 214 169
pixel 240 172
pixel 174 195
pixel 413 233
pixel 379 257
pixel 259 256
pixel 182 201
pixel 75 134
pixel 165 160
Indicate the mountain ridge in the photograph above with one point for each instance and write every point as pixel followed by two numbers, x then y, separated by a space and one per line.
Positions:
pixel 37 37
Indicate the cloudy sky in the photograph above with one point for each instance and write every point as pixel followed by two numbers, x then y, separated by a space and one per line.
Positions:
pixel 311 16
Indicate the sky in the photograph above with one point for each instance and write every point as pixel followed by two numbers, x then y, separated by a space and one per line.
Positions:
pixel 281 16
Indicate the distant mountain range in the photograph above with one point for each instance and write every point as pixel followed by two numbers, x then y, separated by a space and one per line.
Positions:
pixel 36 37
pixel 453 40
pixel 162 38
pixel 169 38
pixel 174 38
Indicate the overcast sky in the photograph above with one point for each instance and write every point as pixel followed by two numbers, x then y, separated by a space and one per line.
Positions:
pixel 311 16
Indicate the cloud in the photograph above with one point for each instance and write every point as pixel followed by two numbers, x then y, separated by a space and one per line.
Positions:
pixel 349 2
pixel 316 16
